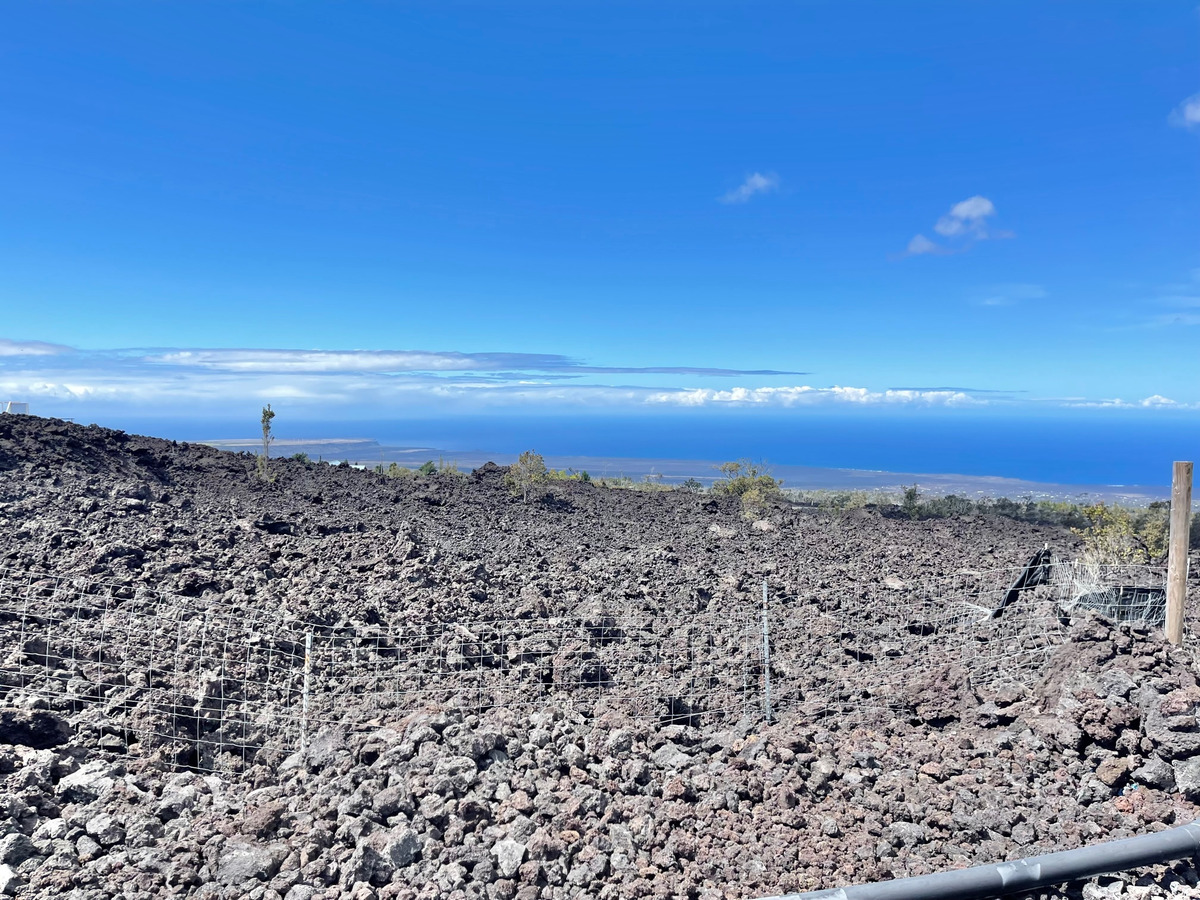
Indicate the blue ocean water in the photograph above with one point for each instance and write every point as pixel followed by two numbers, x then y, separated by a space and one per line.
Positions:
pixel 1093 447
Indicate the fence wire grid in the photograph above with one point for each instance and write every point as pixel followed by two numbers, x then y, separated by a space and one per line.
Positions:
pixel 924 648
pixel 205 686
pixel 199 682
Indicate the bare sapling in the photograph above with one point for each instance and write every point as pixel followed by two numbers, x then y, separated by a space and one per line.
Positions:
pixel 263 470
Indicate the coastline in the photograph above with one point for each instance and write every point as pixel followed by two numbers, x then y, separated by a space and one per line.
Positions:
pixel 368 452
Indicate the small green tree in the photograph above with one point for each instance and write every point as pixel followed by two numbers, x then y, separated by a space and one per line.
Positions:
pixel 743 476
pixel 750 482
pixel 912 502
pixel 527 472
pixel 267 438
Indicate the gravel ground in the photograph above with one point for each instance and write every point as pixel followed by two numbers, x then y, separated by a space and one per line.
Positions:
pixel 557 698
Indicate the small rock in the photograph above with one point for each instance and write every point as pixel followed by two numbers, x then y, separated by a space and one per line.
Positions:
pixel 509 856
pixel 15 849
pixel 1156 774
pixel 88 783
pixel 105 830
pixel 87 849
pixel 262 821
pixel 1187 777
pixel 1112 771
pixel 905 834
pixel 619 741
pixel 9 880
pixel 668 756
pixel 241 861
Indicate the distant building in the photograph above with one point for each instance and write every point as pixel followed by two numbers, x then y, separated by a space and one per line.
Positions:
pixel 14 406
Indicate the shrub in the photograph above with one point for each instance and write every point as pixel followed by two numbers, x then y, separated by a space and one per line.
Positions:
pixel 300 457
pixel 750 482
pixel 692 486
pixel 946 507
pixel 622 482
pixel 742 476
pixel 1115 535
pixel 568 475
pixel 526 473
pixel 427 468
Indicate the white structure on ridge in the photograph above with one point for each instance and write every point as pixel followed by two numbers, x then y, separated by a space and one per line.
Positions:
pixel 15 406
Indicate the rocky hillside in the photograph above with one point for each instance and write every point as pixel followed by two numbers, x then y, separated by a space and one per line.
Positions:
pixel 583 770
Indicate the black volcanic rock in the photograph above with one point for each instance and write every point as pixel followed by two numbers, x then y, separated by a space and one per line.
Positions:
pixel 555 786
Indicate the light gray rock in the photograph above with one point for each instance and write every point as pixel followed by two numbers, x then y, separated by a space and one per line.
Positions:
pixel 9 880
pixel 87 848
pixel 1187 777
pixel 905 834
pixel 1156 774
pixel 106 830
pixel 378 857
pixel 668 756
pixel 451 877
pixel 509 856
pixel 176 800
pixel 88 783
pixel 241 861
pixel 619 741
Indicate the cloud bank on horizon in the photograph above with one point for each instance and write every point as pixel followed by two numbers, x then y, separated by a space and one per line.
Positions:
pixel 359 383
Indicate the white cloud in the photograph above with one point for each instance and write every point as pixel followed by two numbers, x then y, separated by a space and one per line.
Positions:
pixel 1154 401
pixel 31 348
pixel 754 184
pixel 348 383
pixel 1187 113
pixel 397 361
pixel 921 244
pixel 321 360
pixel 804 395
pixel 966 217
pixel 1009 294
pixel 965 224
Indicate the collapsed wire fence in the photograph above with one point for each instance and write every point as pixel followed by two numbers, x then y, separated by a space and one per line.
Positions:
pixel 204 686
pixel 915 648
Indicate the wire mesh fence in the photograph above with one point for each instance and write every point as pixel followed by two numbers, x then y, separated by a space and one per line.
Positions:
pixel 926 648
pixel 203 685
pixel 188 679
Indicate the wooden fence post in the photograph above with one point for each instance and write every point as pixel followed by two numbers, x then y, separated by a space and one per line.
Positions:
pixel 1177 560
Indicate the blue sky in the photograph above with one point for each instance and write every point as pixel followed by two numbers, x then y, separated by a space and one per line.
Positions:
pixel 457 207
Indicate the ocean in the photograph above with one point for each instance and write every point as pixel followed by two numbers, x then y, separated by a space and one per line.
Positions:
pixel 1076 447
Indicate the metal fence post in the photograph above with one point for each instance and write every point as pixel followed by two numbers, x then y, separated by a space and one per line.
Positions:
pixel 766 631
pixel 304 700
